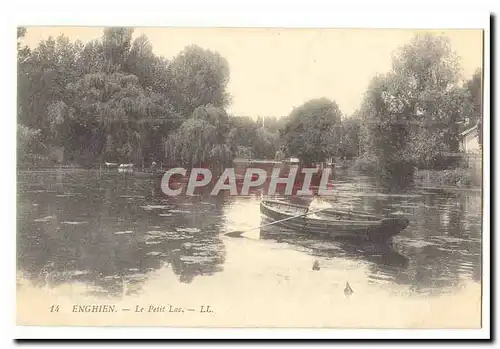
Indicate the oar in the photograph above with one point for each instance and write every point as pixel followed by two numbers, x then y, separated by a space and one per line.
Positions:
pixel 238 233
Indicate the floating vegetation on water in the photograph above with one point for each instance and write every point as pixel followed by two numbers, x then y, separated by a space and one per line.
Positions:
pixel 405 206
pixel 188 230
pixel 448 239
pixel 155 233
pixel 152 242
pixel 414 243
pixel 153 253
pixel 155 207
pixel 135 277
pixel 73 223
pixel 197 259
pixel 66 195
pixel 325 246
pixel 155 236
pixel 78 272
pixel 44 219
pixel 39 191
pixel 398 213
pixel 179 211
pixel 123 232
pixel 112 277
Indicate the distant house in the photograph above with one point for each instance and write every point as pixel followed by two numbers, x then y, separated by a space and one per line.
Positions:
pixel 469 141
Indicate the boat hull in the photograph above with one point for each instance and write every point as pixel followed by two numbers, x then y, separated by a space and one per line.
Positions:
pixel 355 228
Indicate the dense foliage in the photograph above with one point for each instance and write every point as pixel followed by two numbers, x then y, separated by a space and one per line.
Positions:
pixel 312 131
pixel 114 100
pixel 412 116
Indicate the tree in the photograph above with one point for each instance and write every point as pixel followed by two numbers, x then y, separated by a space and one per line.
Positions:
pixel 113 108
pixel 474 87
pixel 116 43
pixel 412 115
pixel 28 144
pixel 266 144
pixel 198 78
pixel 21 32
pixel 91 58
pixel 43 75
pixel 113 98
pixel 312 131
pixel 349 139
pixel 60 117
pixel 143 63
pixel 250 139
pixel 201 139
pixel 385 132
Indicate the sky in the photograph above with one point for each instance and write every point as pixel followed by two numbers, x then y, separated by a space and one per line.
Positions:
pixel 273 70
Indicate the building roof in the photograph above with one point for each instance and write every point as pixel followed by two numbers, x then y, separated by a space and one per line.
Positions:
pixel 466 132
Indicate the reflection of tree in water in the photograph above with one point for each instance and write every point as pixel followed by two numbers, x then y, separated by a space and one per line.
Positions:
pixel 440 247
pixel 443 250
pixel 443 240
pixel 112 232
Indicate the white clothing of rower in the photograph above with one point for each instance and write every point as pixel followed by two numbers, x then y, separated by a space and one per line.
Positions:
pixel 318 204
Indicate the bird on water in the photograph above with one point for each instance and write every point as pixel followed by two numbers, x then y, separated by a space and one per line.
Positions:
pixel 348 290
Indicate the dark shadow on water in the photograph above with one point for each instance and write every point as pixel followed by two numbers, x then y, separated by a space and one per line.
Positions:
pixel 109 234
pixel 381 254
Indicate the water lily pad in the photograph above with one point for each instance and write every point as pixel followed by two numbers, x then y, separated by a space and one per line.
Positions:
pixel 44 219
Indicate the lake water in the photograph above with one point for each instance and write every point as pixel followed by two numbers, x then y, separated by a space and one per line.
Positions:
pixel 115 237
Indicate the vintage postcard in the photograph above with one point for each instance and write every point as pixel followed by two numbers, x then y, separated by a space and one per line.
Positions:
pixel 250 177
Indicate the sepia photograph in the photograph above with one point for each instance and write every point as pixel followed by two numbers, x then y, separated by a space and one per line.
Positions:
pixel 210 177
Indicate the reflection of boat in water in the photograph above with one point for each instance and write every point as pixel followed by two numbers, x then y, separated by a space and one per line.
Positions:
pixel 381 254
pixel 333 223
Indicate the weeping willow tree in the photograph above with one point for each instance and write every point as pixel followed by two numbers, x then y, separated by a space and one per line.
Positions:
pixel 202 139
pixel 115 110
pixel 113 99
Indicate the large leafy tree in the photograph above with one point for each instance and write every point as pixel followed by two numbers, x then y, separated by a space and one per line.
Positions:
pixel 198 78
pixel 249 139
pixel 312 131
pixel 412 115
pixel 114 109
pixel 113 98
pixel 116 43
pixel 201 139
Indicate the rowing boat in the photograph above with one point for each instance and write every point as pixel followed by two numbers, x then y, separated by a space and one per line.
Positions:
pixel 332 222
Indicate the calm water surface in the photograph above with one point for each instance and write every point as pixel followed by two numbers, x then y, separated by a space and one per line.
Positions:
pixel 110 232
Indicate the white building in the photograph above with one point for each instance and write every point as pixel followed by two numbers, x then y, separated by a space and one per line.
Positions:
pixel 469 141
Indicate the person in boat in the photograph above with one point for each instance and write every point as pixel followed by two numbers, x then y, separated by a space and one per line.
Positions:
pixel 316 204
